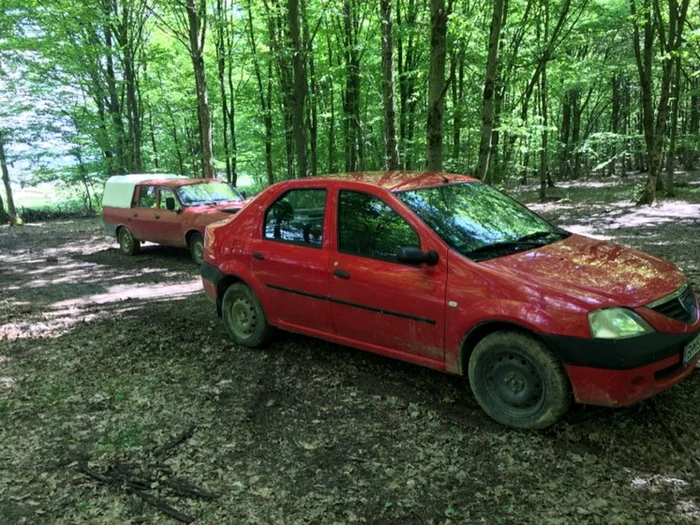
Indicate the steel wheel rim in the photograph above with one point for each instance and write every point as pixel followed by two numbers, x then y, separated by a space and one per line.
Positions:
pixel 241 317
pixel 514 383
pixel 198 250
pixel 125 241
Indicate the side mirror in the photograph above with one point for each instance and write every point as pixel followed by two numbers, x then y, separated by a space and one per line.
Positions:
pixel 170 203
pixel 416 256
pixel 243 194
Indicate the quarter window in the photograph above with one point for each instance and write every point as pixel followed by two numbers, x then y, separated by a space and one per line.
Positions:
pixel 147 197
pixel 369 227
pixel 297 217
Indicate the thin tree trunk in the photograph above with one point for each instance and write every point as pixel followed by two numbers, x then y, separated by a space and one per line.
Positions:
pixel 152 130
pixel 11 211
pixel 391 150
pixel 671 159
pixel 544 159
pixel 487 105
pixel 197 37
pixel 436 84
pixel 221 68
pixel 265 104
pixel 670 38
pixel 298 60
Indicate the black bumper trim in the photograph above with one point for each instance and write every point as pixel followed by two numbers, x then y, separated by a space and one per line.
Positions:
pixel 211 273
pixel 110 229
pixel 619 354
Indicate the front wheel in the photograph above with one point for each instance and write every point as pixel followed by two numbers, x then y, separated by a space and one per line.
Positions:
pixel 197 248
pixel 518 381
pixel 127 244
pixel 244 317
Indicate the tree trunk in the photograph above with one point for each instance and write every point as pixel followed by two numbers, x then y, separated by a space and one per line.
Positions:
pixel 221 69
pixel 544 164
pixel 436 84
pixel 11 211
pixel 298 61
pixel 197 35
pixel 487 104
pixel 152 130
pixel 671 159
pixel 670 38
pixel 265 104
pixel 615 121
pixel 391 150
pixel 352 86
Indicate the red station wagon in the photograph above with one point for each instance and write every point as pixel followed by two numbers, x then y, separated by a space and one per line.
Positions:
pixel 165 209
pixel 444 271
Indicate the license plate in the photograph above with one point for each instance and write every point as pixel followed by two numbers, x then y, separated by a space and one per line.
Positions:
pixel 691 350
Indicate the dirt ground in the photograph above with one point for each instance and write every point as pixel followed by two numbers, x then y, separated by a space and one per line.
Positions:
pixel 106 358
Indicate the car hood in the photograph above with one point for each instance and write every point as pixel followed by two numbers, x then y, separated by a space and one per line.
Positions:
pixel 599 273
pixel 218 209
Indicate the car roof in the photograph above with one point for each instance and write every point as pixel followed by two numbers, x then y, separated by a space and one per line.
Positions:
pixel 398 180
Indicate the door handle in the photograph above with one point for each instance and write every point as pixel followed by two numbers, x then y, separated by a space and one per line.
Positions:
pixel 136 214
pixel 157 216
pixel 259 256
pixel 342 274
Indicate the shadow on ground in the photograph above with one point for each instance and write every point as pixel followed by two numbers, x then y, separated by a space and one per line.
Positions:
pixel 299 432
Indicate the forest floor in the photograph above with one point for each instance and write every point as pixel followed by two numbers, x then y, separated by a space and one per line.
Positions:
pixel 104 359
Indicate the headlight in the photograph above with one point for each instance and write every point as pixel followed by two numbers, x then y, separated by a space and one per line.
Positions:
pixel 617 323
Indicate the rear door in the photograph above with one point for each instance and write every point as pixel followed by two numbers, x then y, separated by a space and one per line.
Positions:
pixel 291 259
pixel 397 308
pixel 143 214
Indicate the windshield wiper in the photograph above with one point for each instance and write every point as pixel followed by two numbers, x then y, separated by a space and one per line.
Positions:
pixel 527 242
pixel 541 235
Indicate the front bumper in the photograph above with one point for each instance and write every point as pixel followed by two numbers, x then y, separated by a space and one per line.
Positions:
pixel 623 372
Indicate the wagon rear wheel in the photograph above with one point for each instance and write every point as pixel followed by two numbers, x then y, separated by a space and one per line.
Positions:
pixel 518 381
pixel 127 244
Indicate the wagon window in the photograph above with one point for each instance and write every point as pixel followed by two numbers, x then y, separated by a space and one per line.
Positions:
pixel 297 217
pixel 147 197
pixel 369 227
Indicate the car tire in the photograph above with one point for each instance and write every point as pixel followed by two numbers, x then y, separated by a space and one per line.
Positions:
pixel 197 248
pixel 127 244
pixel 518 381
pixel 244 318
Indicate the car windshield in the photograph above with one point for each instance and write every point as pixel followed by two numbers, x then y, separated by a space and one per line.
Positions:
pixel 207 193
pixel 479 221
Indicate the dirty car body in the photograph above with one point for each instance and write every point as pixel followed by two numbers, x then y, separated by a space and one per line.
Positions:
pixel 443 271
pixel 165 209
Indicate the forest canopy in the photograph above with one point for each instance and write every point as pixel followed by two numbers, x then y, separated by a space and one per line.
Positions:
pixel 529 90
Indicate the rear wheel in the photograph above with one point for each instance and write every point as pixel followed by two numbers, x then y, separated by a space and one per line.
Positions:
pixel 127 244
pixel 197 248
pixel 244 317
pixel 518 381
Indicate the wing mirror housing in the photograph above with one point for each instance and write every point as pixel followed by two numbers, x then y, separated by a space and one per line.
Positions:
pixel 170 203
pixel 416 256
pixel 243 194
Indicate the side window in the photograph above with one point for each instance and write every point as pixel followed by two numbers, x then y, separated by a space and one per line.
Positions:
pixel 147 197
pixel 368 227
pixel 166 193
pixel 297 217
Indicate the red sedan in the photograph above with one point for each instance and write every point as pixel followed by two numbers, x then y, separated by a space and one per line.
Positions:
pixel 446 272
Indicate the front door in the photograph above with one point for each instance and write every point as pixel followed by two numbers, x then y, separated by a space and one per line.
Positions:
pixel 143 215
pixel 291 260
pixel 168 222
pixel 398 308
